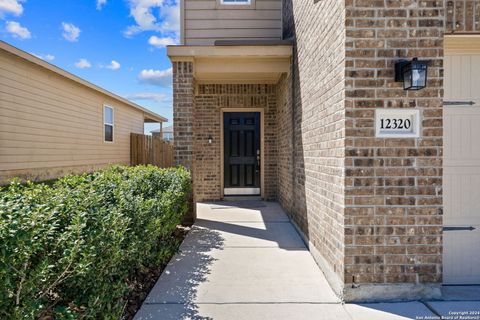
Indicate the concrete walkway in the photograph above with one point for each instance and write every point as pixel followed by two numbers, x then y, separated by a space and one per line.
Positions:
pixel 245 260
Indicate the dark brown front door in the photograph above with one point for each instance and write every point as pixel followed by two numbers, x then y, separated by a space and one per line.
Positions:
pixel 242 153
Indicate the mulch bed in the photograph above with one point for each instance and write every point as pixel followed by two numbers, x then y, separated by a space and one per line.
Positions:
pixel 144 282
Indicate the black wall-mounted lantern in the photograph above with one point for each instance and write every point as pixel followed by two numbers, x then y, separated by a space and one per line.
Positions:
pixel 210 139
pixel 413 73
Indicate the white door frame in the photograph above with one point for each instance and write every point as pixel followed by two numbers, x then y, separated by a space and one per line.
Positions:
pixel 262 148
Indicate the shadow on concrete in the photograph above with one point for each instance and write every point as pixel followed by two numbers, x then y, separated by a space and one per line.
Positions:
pixel 174 294
pixel 250 224
pixel 461 293
pixel 289 240
pixel 456 309
pixel 231 257
pixel 390 311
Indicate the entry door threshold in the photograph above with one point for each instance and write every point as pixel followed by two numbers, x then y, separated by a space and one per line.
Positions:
pixel 241 191
pixel 240 198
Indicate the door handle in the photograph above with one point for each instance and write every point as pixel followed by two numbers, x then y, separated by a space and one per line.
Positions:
pixel 470 228
pixel 258 160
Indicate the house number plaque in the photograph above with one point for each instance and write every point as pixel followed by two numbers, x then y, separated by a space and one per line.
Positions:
pixel 397 123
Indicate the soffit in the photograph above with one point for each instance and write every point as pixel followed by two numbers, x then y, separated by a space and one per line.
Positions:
pixel 235 64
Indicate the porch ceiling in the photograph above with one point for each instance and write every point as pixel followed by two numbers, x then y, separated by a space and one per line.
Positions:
pixel 235 64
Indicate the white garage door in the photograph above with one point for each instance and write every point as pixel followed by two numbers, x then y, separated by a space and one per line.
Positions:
pixel 461 253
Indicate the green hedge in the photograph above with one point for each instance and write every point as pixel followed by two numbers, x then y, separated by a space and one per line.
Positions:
pixel 70 248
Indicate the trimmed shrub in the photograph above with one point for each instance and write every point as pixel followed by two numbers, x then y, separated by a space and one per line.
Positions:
pixel 69 249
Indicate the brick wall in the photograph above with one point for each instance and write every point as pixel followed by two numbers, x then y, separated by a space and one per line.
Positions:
pixel 285 143
pixel 393 187
pixel 462 16
pixel 209 100
pixel 183 95
pixel 371 207
pixel 317 184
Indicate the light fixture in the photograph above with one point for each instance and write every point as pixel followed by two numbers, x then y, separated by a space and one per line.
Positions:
pixel 413 73
pixel 210 139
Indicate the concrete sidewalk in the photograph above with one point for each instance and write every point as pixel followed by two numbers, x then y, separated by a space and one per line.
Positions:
pixel 245 260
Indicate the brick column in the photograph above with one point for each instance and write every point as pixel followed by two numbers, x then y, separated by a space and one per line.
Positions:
pixel 183 101
pixel 183 104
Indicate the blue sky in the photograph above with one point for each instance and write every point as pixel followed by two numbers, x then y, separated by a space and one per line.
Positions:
pixel 116 44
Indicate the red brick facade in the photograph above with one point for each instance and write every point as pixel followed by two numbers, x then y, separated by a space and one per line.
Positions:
pixel 393 187
pixel 183 90
pixel 318 107
pixel 371 208
pixel 209 100
pixel 197 116
pixel 462 16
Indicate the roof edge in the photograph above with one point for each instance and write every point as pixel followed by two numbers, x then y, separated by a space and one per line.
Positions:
pixel 42 63
pixel 166 129
pixel 279 42
pixel 232 49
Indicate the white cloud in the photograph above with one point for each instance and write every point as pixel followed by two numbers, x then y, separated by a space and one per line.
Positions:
pixel 161 42
pixel 162 78
pixel 17 30
pixel 11 7
pixel 70 32
pixel 154 15
pixel 171 17
pixel 114 65
pixel 83 64
pixel 100 4
pixel 157 97
pixel 46 57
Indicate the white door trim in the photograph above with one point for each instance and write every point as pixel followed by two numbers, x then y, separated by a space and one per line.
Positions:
pixel 262 148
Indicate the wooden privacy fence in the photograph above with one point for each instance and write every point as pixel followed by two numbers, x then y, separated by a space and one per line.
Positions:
pixel 150 150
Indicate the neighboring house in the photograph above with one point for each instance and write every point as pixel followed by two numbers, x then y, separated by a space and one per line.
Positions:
pixel 53 123
pixel 286 100
pixel 166 133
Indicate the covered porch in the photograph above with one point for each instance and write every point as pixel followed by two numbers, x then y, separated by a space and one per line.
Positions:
pixel 226 115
